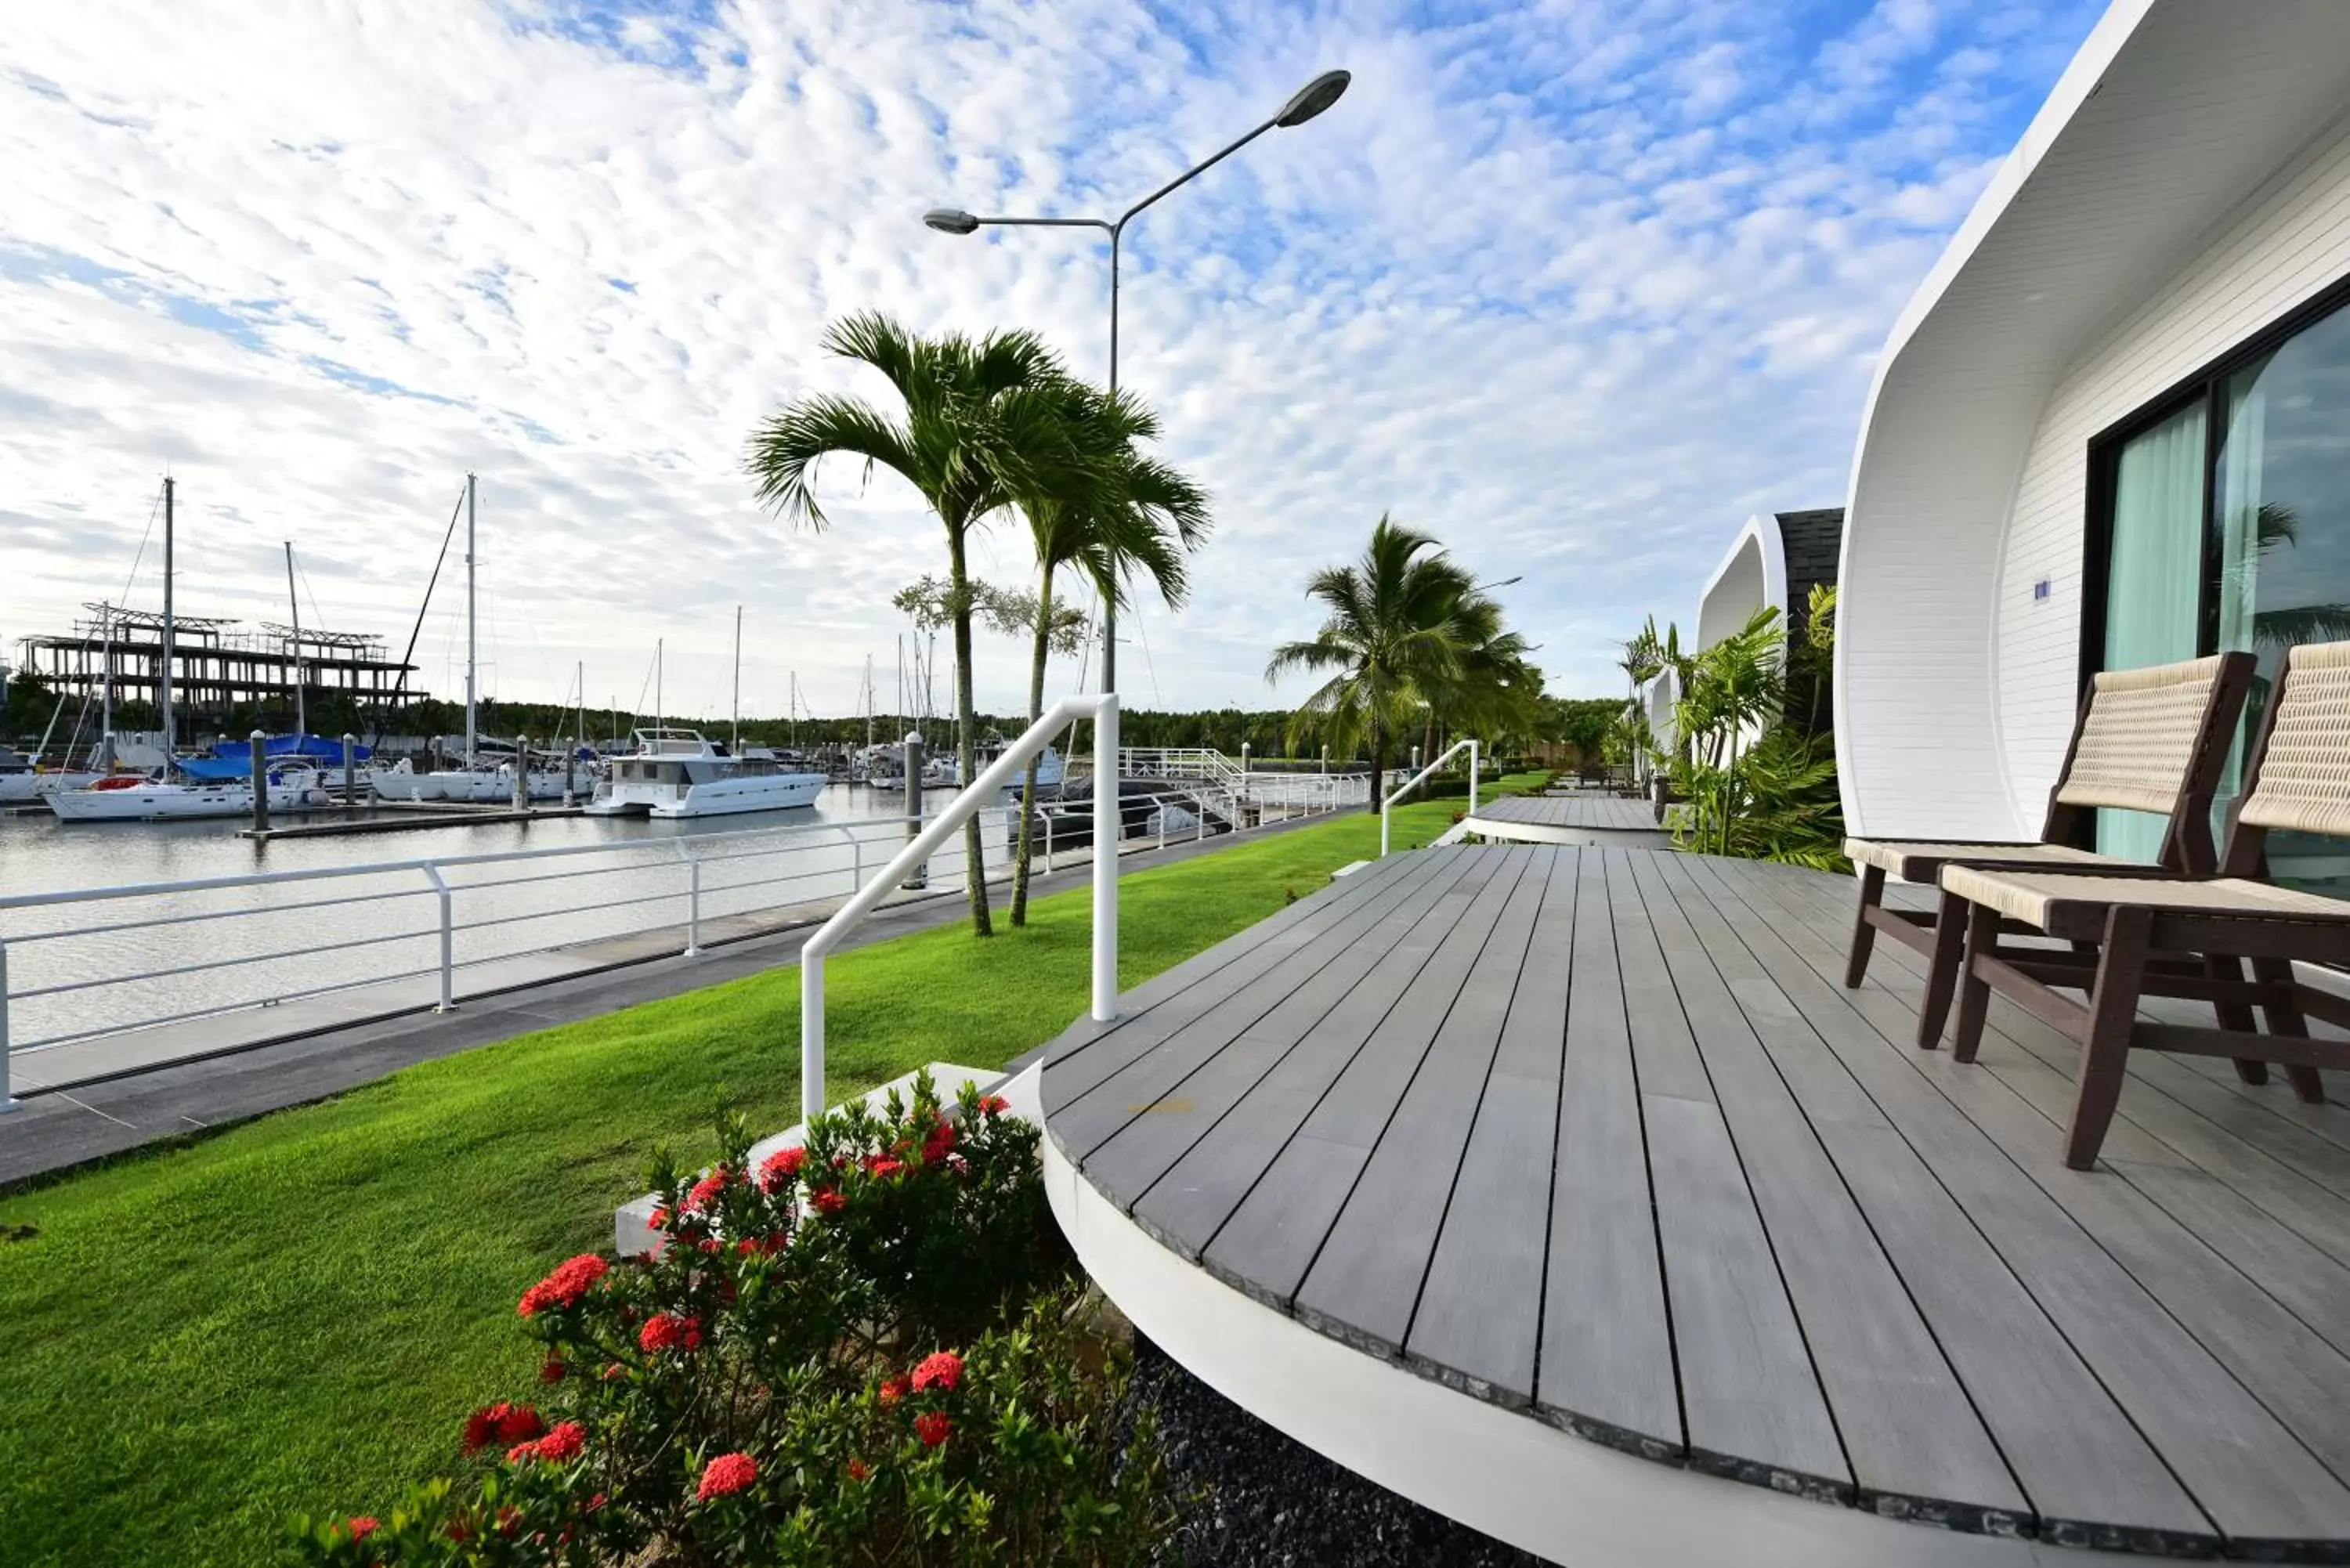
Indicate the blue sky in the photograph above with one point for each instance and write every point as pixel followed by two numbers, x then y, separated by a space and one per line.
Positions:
pixel 1575 285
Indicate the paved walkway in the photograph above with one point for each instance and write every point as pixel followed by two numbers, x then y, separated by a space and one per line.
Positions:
pixel 55 1128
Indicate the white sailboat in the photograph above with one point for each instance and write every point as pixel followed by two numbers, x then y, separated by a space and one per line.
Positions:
pixel 473 781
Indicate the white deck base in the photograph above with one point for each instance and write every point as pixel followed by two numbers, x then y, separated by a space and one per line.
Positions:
pixel 1531 1485
pixel 1543 833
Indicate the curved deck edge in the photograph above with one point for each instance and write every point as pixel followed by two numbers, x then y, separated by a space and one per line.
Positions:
pixel 1543 833
pixel 1520 1480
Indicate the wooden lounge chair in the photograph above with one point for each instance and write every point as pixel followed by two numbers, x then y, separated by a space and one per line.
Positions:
pixel 2146 739
pixel 2144 933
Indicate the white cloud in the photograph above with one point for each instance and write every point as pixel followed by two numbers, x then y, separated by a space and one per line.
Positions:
pixel 1576 288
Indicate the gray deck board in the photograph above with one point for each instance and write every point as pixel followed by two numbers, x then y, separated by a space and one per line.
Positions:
pixel 1910 1433
pixel 1135 1157
pixel 1366 1281
pixel 1600 1137
pixel 1610 811
pixel 2177 1361
pixel 1274 1237
pixel 1479 1322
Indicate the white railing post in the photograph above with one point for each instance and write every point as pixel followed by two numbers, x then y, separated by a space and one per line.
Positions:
pixel 692 905
pixel 1472 778
pixel 7 1101
pixel 448 941
pixel 1413 782
pixel 812 1100
pixel 1107 824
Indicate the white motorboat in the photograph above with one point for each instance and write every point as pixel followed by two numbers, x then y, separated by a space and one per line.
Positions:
pixel 131 799
pixel 677 772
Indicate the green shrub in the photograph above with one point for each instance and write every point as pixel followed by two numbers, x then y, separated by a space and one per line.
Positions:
pixel 870 1350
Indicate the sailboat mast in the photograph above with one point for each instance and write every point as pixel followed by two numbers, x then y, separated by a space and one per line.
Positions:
pixel 166 690
pixel 738 681
pixel 106 698
pixel 470 648
pixel 660 670
pixel 579 684
pixel 301 711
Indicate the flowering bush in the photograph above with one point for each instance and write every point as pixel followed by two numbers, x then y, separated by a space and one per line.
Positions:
pixel 873 1350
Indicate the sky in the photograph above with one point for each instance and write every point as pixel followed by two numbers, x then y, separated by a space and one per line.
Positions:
pixel 1576 286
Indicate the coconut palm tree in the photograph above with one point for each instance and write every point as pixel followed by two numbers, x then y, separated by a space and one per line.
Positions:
pixel 1126 518
pixel 1391 632
pixel 980 424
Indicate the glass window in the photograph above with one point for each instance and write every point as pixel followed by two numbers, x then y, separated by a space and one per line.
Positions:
pixel 2280 536
pixel 2154 579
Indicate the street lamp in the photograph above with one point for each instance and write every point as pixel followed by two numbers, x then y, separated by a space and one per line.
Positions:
pixel 1304 104
pixel 1504 583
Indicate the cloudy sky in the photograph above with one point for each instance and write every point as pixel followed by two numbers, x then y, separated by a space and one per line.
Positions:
pixel 1575 284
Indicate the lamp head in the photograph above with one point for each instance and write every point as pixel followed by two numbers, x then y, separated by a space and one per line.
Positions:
pixel 950 221
pixel 1313 98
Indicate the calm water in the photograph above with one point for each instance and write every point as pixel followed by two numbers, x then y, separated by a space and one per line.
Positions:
pixel 254 943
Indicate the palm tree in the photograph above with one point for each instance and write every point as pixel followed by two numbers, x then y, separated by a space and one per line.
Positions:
pixel 1391 632
pixel 980 426
pixel 1493 689
pixel 1123 515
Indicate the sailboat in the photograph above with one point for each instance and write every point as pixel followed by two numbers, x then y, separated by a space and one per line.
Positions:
pixel 128 797
pixel 473 781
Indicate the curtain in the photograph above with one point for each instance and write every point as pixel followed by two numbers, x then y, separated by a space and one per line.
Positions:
pixel 2155 580
pixel 2241 460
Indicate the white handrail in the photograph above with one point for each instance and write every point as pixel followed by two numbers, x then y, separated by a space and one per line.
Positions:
pixel 1108 823
pixel 1413 782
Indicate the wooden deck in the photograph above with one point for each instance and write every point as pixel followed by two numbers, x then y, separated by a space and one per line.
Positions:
pixel 1598 1136
pixel 1614 813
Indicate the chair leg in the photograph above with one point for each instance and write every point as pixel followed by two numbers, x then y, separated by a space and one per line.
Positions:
pixel 2285 1019
pixel 2236 1015
pixel 1942 980
pixel 1864 934
pixel 1974 992
pixel 2113 1015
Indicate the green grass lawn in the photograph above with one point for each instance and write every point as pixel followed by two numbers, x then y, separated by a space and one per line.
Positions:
pixel 294 1314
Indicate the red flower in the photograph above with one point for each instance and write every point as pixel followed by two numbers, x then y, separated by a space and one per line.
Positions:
pixel 565 1286
pixel 780 1168
pixel 613 1371
pixel 501 1423
pixel 658 1219
pixel 881 1167
pixel 554 1371
pixel 595 1503
pixel 459 1530
pixel 827 1200
pixel 726 1475
pixel 933 1427
pixel 941 1369
pixel 892 1390
pixel 707 1188
pixel 363 1526
pixel 566 1442
pixel 859 1470
pixel 994 1104
pixel 712 1245
pixel 939 1144
pixel 668 1331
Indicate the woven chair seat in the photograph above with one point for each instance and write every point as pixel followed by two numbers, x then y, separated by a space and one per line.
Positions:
pixel 1919 859
pixel 2043 899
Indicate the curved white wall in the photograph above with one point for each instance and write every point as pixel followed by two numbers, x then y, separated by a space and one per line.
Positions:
pixel 1753 573
pixel 2185 184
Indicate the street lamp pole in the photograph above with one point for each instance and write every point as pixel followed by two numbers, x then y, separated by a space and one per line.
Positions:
pixel 1308 101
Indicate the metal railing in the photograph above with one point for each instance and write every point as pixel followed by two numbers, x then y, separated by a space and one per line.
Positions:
pixel 1108 823
pixel 115 983
pixel 1414 781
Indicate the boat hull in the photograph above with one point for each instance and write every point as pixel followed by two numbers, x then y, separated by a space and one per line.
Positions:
pixel 165 802
pixel 25 789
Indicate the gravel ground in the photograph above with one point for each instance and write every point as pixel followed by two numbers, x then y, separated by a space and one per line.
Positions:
pixel 1272 1502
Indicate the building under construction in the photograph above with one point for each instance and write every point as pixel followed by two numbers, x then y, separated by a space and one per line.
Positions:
pixel 215 666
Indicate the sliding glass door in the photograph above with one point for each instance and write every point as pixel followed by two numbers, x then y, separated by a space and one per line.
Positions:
pixel 2153 578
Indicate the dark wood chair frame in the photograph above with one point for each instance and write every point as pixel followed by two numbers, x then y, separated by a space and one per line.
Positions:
pixel 2121 953
pixel 2187 847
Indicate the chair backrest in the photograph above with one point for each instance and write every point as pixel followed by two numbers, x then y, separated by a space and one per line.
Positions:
pixel 2298 779
pixel 2155 740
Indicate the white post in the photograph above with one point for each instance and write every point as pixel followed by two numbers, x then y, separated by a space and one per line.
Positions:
pixel 6 1102
pixel 1106 824
pixel 1472 778
pixel 811 1102
pixel 692 906
pixel 448 941
pixel 470 648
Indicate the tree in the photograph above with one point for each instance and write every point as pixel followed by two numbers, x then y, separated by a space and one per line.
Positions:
pixel 1390 631
pixel 1120 517
pixel 979 424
